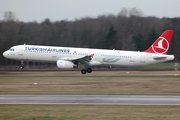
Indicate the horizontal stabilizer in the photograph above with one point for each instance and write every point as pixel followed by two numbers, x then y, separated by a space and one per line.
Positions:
pixel 159 58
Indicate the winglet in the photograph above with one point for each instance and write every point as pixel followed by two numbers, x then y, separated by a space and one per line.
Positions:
pixel 161 45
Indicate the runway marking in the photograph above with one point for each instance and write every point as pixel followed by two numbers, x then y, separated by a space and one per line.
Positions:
pixel 91 99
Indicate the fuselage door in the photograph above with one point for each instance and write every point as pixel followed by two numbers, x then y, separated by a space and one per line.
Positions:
pixel 20 51
pixel 142 58
pixel 54 55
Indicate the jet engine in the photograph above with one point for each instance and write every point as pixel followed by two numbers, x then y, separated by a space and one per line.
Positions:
pixel 66 64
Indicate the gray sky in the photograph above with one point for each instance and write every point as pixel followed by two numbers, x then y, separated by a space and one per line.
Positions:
pixel 56 10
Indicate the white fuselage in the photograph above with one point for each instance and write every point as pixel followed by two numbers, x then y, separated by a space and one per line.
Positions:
pixel 99 56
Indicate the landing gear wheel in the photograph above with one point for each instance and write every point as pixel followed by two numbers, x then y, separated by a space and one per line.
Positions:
pixel 83 71
pixel 89 70
pixel 21 67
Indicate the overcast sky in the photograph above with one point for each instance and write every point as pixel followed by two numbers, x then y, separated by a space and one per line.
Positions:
pixel 56 10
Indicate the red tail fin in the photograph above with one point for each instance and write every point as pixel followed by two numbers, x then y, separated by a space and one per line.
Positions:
pixel 161 45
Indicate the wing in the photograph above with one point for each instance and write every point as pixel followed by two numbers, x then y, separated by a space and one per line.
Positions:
pixel 82 59
pixel 87 60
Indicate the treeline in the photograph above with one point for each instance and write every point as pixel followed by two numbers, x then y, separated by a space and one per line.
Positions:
pixel 122 32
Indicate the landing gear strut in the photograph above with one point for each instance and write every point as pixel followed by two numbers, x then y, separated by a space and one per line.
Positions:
pixel 22 65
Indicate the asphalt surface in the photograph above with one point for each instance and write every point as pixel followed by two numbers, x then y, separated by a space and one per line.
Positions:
pixel 91 99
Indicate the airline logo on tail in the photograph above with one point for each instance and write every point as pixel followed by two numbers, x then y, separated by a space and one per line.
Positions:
pixel 161 45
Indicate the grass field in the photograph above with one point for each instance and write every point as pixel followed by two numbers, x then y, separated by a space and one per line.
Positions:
pixel 88 112
pixel 98 82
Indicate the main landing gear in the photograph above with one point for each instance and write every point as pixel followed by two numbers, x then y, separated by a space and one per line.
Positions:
pixel 84 71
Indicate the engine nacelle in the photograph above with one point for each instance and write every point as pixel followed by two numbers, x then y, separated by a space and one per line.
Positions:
pixel 66 64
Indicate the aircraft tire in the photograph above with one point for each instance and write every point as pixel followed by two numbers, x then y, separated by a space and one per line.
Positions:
pixel 89 70
pixel 83 71
pixel 21 67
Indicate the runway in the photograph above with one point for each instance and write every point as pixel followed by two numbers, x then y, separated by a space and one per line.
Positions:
pixel 91 99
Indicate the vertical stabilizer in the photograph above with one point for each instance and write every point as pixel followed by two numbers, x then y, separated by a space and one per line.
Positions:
pixel 161 45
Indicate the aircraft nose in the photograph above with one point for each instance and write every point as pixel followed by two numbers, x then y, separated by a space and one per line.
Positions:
pixel 5 54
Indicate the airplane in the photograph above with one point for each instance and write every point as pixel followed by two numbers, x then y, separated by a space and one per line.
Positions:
pixel 71 57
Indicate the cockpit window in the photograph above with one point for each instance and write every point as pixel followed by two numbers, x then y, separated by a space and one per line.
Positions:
pixel 11 49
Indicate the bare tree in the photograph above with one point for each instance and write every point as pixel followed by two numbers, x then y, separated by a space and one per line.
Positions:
pixel 9 16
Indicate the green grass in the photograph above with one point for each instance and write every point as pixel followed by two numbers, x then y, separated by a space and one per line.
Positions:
pixel 88 112
pixel 103 82
pixel 159 66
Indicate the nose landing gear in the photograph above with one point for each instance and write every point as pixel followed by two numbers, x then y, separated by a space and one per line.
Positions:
pixel 22 65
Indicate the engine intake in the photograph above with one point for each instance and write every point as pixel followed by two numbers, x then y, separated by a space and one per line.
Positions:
pixel 66 64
